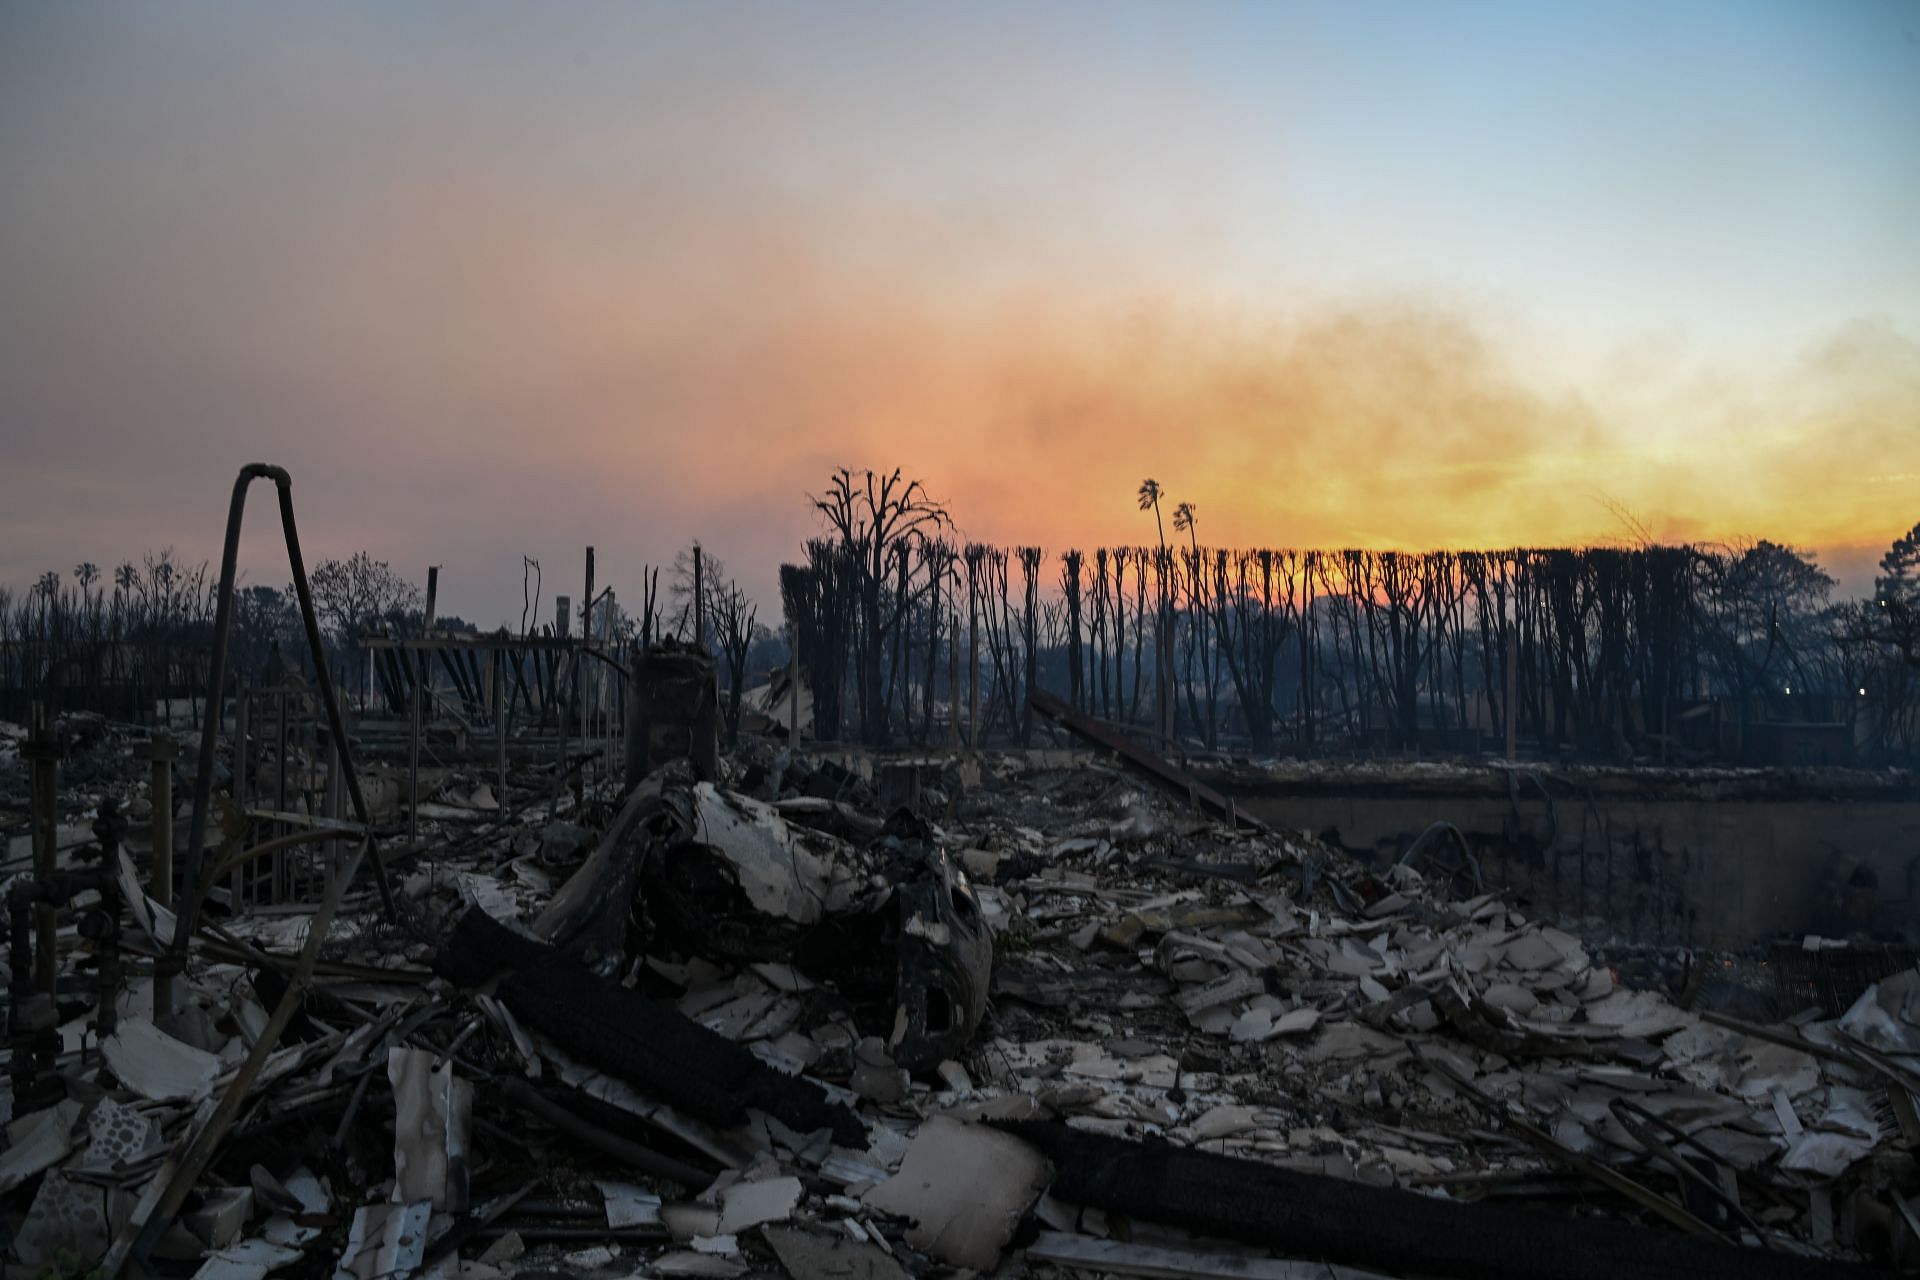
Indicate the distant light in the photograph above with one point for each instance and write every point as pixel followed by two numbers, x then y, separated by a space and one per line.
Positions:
pixel 1789 688
pixel 1863 693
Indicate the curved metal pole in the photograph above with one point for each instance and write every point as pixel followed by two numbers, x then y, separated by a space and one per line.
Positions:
pixel 239 858
pixel 336 724
pixel 216 693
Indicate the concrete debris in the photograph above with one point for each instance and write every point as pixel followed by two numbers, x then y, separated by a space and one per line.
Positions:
pixel 1025 1015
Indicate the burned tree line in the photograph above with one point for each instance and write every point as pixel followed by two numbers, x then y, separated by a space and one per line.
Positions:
pixel 111 642
pixel 907 633
pixel 1649 652
pixel 123 643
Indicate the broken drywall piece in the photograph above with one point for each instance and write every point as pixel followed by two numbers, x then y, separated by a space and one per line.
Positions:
pixel 1223 1122
pixel 745 1205
pixel 385 1242
pixel 158 1067
pixel 1294 1022
pixel 36 1142
pixel 965 1188
pixel 246 1260
pixel 628 1205
pixel 809 1255
pixel 1887 1015
pixel 686 1262
pixel 1092 1255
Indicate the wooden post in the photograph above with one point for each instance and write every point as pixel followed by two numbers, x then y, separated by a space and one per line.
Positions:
pixel 500 725
pixel 580 659
pixel 333 802
pixel 562 629
pixel 793 690
pixel 276 892
pixel 973 667
pixel 160 792
pixel 1513 690
pixel 242 792
pixel 419 672
pixel 953 682
pixel 699 599
pixel 43 751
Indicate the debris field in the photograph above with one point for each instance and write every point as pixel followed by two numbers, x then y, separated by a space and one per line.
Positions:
pixel 819 1014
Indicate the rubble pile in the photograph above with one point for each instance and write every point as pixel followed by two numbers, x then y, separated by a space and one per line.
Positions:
pixel 1026 1016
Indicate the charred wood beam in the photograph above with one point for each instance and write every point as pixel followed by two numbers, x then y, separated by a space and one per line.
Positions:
pixel 1312 1216
pixel 651 1045
pixel 1176 781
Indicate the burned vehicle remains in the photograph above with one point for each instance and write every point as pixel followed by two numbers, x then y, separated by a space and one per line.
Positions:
pixel 892 927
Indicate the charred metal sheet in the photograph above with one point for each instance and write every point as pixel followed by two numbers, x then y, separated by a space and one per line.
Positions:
pixel 1175 780
pixel 431 1112
pixel 1312 1216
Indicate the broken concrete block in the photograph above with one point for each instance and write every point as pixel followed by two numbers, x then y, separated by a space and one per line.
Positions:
pixel 505 1249
pixel 221 1216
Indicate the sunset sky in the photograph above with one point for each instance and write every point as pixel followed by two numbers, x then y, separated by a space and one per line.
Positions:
pixel 495 280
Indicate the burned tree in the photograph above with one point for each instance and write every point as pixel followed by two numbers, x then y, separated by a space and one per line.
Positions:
pixel 877 519
pixel 817 599
pixel 1250 625
pixel 352 594
pixel 734 617
pixel 937 559
pixel 1030 558
pixel 1071 564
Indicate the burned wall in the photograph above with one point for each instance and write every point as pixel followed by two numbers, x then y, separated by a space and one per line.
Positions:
pixel 1708 860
